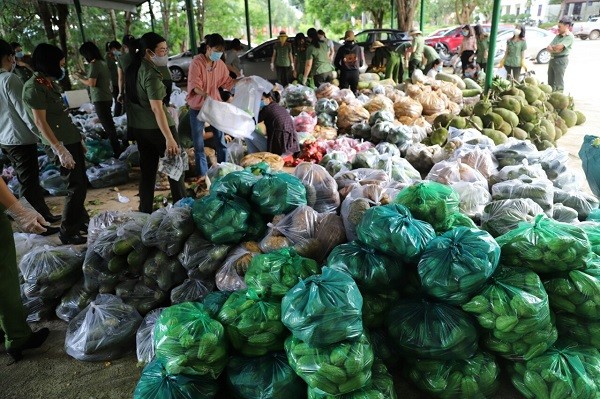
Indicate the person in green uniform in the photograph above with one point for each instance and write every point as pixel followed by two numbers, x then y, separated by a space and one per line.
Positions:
pixel 392 67
pixel 13 318
pixel 514 57
pixel 299 48
pixel 44 104
pixel 152 126
pixel 124 60
pixel 98 80
pixel 282 60
pixel 559 48
pixel 416 55
pixel 483 45
pixel 113 52
pixel 403 50
pixel 168 82
pixel 429 56
pixel 317 63
pixel 22 69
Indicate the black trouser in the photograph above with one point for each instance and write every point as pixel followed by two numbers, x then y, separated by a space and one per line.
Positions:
pixel 283 75
pixel 152 146
pixel 412 65
pixel 349 78
pixel 25 161
pixel 515 72
pixel 118 110
pixel 169 86
pixel 74 214
pixel 464 59
pixel 108 124
pixel 323 78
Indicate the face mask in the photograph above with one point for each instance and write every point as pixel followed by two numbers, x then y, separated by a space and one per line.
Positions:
pixel 62 73
pixel 116 53
pixel 517 32
pixel 282 39
pixel 439 69
pixel 160 61
pixel 19 54
pixel 262 104
pixel 216 56
pixel 465 33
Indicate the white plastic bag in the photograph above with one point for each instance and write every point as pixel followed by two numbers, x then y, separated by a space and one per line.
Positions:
pixel 227 118
pixel 248 92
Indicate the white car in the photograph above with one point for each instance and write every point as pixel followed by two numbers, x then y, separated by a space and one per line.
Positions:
pixel 537 41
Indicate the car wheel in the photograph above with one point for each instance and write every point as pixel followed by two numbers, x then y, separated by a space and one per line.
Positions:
pixel 583 37
pixel 543 57
pixel 177 74
pixel 594 35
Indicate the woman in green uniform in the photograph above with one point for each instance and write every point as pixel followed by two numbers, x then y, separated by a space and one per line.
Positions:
pixel 282 59
pixel 113 52
pixel 318 65
pixel 152 126
pixel 300 55
pixel 44 104
pixel 483 45
pixel 98 80
pixel 514 58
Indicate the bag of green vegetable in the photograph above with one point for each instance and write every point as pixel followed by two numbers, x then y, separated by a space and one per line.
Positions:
pixel 582 202
pixel 191 290
pixel 474 196
pixel 335 369
pixel 144 337
pixel 457 264
pixel 236 183
pixel 541 191
pixel 201 256
pixel 103 245
pixel 253 325
pixel 73 302
pixel 222 219
pixel 129 236
pixel 473 378
pixel 564 214
pixel 545 246
pixel 392 230
pixel 578 329
pixel 512 172
pixel 163 272
pixel 295 227
pixel 500 217
pixel 189 341
pixel 273 275
pixel 213 302
pixel 592 229
pixel 278 193
pixel 157 383
pixel 514 152
pixel 428 330
pixel 143 298
pixel 219 170
pixel 96 277
pixel 25 242
pixel 167 229
pixel 377 306
pixel 322 189
pixel 514 308
pixel 230 276
pixel 104 330
pixel 324 309
pixel 566 370
pixel 398 169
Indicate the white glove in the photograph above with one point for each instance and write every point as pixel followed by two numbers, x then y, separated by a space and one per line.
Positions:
pixel 65 157
pixel 27 218
pixel 272 67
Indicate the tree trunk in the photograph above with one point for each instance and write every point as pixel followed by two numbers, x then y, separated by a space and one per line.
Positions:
pixel 128 17
pixel 464 10
pixel 43 10
pixel 406 13
pixel 113 23
pixel 165 11
pixel 62 18
pixel 378 16
pixel 200 20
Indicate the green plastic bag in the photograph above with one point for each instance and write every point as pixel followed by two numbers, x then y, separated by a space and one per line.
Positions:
pixel 580 330
pixel 236 183
pixel 157 383
pixel 430 201
pixel 457 264
pixel 98 150
pixel 383 347
pixel 268 376
pixel 427 330
pixel 278 193
pixel 458 219
pixel 592 229
pixel 377 306
pixel 214 301
pixel 189 341
pixel 222 218
pixel 566 370
pixel 392 230
pixel 335 369
pixel 545 246
pixel 324 309
pixel 259 169
pixel 272 275
pixel 253 325
pixel 514 307
pixel 473 378
pixel 373 271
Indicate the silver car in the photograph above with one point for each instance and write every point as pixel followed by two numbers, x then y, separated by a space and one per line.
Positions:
pixel 537 40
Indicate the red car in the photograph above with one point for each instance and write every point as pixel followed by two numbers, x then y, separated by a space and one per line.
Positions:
pixel 449 42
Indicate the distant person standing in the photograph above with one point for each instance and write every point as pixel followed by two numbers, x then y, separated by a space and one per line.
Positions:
pixel 559 48
pixel 125 60
pixel 232 59
pixel 299 51
pixel 514 57
pixel 282 60
pixel 318 64
pixel 468 47
pixel 22 69
pixel 348 60
pixel 483 45
pixel 418 47
pixel 329 42
pixel 113 52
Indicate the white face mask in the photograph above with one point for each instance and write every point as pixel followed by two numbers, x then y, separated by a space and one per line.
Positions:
pixel 517 32
pixel 160 60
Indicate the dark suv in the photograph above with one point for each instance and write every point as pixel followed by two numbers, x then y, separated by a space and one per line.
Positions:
pixel 389 37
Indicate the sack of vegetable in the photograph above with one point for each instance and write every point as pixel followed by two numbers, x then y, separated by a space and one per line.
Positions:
pixel 372 271
pixel 236 183
pixel 592 229
pixel 104 330
pixel 511 172
pixel 144 337
pixel 273 275
pixel 514 307
pixel 329 234
pixel 545 246
pixel 473 378
pixel 253 325
pixel 398 169
pixel 448 172
pixel 266 376
pixel 383 347
pixel 201 256
pixel 95 273
pixel 221 169
pixel 321 189
pixel 335 369
pixel 73 302
pixel 157 383
pixel 407 107
pixel 500 217
pixel 376 307
pixel 541 191
pixel 392 230
pixel 142 297
pixel 278 193
pixel 305 122
pixel 163 272
pixel 474 196
pixel 38 309
pixel 324 309
pixel 580 330
pixel 362 176
pixel 582 202
pixel 457 264
pixel 565 370
pixel 167 229
pixel 129 237
pixel 351 113
pixel 274 161
pixel 428 330
pixel 191 290
pixel 514 152
pixel 298 95
pixel 230 276
pixel 222 219
pixel 213 302
pixel 189 341
pixel 103 245
pixel 564 214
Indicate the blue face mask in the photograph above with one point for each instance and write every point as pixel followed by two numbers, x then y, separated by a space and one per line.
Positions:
pixel 216 55
pixel 63 73
pixel 465 33
pixel 116 53
pixel 19 54
pixel 262 104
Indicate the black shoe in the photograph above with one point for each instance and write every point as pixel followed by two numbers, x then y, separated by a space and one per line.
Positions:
pixel 83 230
pixel 35 341
pixel 53 218
pixel 50 230
pixel 75 239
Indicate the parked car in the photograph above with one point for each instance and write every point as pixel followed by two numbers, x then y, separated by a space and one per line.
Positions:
pixel 389 37
pixel 537 40
pixel 589 29
pixel 437 32
pixel 449 42
pixel 180 64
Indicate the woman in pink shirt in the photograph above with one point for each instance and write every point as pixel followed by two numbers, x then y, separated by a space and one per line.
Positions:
pixel 468 46
pixel 206 75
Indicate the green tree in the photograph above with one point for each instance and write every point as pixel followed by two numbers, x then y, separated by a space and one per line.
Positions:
pixel 406 13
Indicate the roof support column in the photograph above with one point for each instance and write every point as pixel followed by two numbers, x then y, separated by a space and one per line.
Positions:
pixel 189 9
pixel 270 20
pixel 489 73
pixel 79 19
pixel 422 16
pixel 247 8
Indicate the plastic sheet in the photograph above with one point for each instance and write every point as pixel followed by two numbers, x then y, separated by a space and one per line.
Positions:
pixel 248 92
pixel 227 118
pixel 174 165
pixel 144 337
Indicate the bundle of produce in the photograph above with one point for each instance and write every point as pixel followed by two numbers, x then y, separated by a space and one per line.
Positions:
pixel 398 169
pixel 167 229
pixel 214 301
pixel 423 157
pixel 236 183
pixel 189 341
pixel 104 243
pixel 514 307
pixel 109 173
pixel 448 172
pixel 427 330
pixel 25 242
pixel 514 152
pixel 253 325
pixel 54 183
pixel 351 113
pixel 480 159
pixel 97 150
pixel 296 227
pixel 104 330
pixel 325 91
pixel 361 130
pixel 407 108
pixel 298 95
pixel 564 214
pixel 131 155
pixel 592 229
pixel 457 264
pixel 129 237
pixel 392 230
pixel 96 276
pixel 376 307
pixel 103 220
pixel 379 102
pixel 433 102
pixel 142 297
pixel 578 200
pixel 222 218
pixel 273 275
pixel 578 329
pixel 144 337
pixel 323 309
pixel 230 276
pixel 362 176
pixel 201 256
pixel 321 189
pixel 473 378
pixel 344 96
pixel 329 234
pixel 73 302
pixel 310 151
pixel 274 161
pixel 500 217
pixel 305 122
pixel 335 369
pixel 554 162
pixel 191 290
pixel 366 159
pixel 430 201
pixel 157 383
pixel 219 170
pixel 278 193
pixel 474 196
pixel 383 347
pixel 511 172
pixel 545 246
pixel 566 370
pixel 162 271
pixel 269 375
pixel 541 191
pixel 452 91
pixel 388 148
pixel 37 309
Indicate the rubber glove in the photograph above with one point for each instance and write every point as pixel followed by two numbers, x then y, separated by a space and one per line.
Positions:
pixel 65 157
pixel 272 67
pixel 28 219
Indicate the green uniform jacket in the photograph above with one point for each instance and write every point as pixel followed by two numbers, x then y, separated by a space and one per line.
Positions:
pixel 113 67
pixel 149 87
pixel 418 47
pixel 164 72
pixel 320 58
pixel 282 54
pixel 38 93
pixel 124 61
pixel 23 73
pixel 566 41
pixel 102 91
pixel 430 54
pixel 514 49
pixel 483 46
